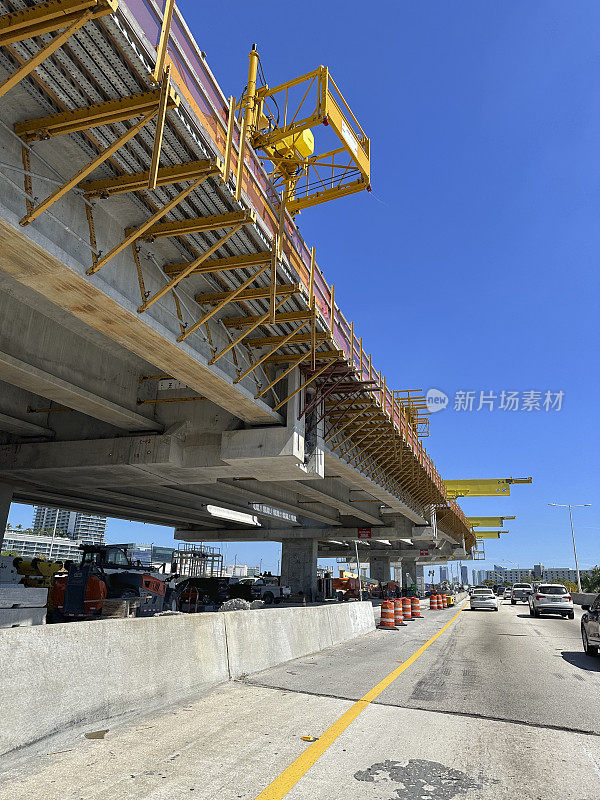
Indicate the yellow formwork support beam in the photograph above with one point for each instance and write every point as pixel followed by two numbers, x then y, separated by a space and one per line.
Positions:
pixel 213 298
pixel 288 316
pixel 89 168
pixel 487 522
pixel 138 181
pixel 48 17
pixel 222 264
pixel 489 534
pixel 44 52
pixel 231 296
pixel 481 487
pixel 300 338
pixel 81 119
pixel 196 225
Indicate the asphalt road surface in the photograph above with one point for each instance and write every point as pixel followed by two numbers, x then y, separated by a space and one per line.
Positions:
pixel 499 705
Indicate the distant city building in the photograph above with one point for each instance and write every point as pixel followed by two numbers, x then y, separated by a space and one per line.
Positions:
pixel 464 575
pixel 443 574
pixel 536 573
pixel 29 545
pixel 85 528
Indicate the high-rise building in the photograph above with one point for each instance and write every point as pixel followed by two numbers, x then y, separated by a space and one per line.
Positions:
pixel 443 574
pixel 30 545
pixel 84 528
pixel 464 574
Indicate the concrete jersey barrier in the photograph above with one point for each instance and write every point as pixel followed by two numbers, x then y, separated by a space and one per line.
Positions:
pixel 584 597
pixel 57 677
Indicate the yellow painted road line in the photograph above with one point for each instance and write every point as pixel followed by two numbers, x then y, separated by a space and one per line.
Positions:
pixel 290 776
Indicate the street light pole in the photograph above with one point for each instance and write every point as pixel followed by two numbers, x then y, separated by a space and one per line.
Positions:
pixel 571 506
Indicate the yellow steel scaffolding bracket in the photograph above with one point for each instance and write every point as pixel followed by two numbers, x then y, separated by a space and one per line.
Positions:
pixel 69 15
pixel 487 522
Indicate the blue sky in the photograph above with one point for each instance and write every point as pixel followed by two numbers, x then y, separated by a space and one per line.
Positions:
pixel 472 265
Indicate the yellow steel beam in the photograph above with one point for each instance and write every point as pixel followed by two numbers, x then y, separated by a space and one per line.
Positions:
pixel 160 126
pixel 297 361
pixel 489 534
pixel 486 522
pixel 258 321
pixel 196 225
pixel 166 175
pixel 44 52
pixel 333 193
pixel 163 42
pixel 286 358
pixel 212 298
pixel 178 278
pixel 481 487
pixel 48 17
pixel 229 299
pixel 302 386
pixel 288 316
pixel 89 168
pixel 265 356
pixel 223 264
pixel 135 233
pixel 91 116
pixel 301 338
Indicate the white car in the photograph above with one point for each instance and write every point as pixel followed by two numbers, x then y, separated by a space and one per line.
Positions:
pixel 507 594
pixel 551 598
pixel 484 598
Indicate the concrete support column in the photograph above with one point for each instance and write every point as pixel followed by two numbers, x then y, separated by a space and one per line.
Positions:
pixel 299 566
pixel 409 571
pixel 380 568
pixel 6 493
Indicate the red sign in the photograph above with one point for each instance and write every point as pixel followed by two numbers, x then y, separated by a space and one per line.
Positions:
pixel 364 533
pixel 424 552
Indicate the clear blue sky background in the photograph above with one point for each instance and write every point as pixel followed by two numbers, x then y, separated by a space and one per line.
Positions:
pixel 473 265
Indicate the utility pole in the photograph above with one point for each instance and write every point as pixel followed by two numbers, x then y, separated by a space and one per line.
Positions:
pixel 358 570
pixel 571 506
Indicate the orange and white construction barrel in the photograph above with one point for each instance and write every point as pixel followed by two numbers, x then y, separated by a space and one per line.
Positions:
pixel 406 609
pixel 398 616
pixel 415 606
pixel 387 616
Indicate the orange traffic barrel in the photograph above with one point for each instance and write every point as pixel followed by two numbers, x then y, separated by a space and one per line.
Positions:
pixel 387 616
pixel 432 602
pixel 444 601
pixel 406 609
pixel 415 606
pixel 437 602
pixel 398 618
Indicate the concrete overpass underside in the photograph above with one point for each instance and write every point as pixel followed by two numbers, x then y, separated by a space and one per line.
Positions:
pixel 169 350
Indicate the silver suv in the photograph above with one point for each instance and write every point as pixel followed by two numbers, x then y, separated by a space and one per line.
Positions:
pixel 551 598
pixel 520 591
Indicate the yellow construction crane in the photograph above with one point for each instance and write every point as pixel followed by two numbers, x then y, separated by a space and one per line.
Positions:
pixel 481 487
pixel 487 522
pixel 281 123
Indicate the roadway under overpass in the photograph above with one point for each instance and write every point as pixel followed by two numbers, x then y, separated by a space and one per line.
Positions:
pixel 120 397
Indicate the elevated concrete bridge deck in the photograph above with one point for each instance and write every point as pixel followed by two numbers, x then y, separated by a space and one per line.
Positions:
pixel 167 350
